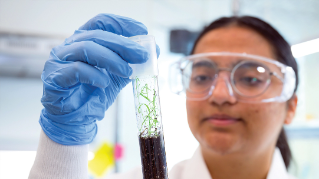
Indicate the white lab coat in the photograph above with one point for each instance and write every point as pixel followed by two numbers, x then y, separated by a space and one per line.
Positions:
pixel 195 168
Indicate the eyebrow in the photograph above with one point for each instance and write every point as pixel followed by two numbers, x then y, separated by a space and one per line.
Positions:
pixel 203 64
pixel 212 64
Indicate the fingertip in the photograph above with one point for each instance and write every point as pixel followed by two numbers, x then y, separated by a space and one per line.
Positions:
pixel 145 56
pixel 158 51
pixel 129 72
pixel 98 77
pixel 142 55
pixel 131 27
pixel 121 69
pixel 106 81
pixel 103 80
pixel 119 25
pixel 141 31
pixel 100 85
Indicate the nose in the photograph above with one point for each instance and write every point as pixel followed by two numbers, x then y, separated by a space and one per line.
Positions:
pixel 222 92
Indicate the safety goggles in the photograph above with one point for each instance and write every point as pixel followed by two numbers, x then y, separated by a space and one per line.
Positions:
pixel 248 78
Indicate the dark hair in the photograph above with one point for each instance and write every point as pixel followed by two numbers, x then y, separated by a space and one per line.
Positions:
pixel 282 51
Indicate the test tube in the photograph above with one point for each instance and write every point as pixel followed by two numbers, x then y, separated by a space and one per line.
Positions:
pixel 148 112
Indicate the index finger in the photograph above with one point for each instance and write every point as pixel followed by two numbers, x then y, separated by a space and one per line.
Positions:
pixel 116 24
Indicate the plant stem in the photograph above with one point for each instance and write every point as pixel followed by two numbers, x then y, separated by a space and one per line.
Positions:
pixel 150 107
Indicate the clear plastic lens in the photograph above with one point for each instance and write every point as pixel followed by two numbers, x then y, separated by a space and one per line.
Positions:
pixel 251 78
pixel 199 76
pixel 176 83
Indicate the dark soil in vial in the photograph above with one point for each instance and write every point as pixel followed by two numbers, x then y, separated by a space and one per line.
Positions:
pixel 153 157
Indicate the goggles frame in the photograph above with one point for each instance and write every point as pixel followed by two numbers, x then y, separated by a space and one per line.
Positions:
pixel 177 85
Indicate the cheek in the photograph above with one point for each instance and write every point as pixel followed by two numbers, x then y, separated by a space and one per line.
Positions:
pixel 267 114
pixel 265 122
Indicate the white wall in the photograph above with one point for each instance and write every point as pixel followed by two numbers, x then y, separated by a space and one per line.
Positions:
pixel 19 113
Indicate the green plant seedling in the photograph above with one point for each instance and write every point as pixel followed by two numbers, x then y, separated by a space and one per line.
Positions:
pixel 150 113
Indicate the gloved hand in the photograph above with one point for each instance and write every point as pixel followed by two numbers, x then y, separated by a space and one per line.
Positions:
pixel 84 75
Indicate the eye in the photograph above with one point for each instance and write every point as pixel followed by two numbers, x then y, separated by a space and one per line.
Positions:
pixel 202 78
pixel 251 81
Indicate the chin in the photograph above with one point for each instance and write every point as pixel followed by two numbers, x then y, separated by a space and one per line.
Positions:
pixel 221 143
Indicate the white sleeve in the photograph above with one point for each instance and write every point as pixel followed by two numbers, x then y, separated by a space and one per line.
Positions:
pixel 56 161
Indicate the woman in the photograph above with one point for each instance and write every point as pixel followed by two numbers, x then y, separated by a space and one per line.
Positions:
pixel 236 103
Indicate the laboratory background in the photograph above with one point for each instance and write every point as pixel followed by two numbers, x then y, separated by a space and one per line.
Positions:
pixel 29 29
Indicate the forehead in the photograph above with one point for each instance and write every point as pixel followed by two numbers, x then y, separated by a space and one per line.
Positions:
pixel 234 39
pixel 229 61
pixel 220 61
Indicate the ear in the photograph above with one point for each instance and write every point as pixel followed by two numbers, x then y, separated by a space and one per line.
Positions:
pixel 291 108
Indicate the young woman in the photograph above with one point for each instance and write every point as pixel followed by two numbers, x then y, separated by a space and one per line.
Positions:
pixel 240 84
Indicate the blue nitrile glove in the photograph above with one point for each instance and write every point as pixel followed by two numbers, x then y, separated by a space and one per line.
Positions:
pixel 84 75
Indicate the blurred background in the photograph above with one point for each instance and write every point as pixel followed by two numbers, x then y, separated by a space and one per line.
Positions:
pixel 30 28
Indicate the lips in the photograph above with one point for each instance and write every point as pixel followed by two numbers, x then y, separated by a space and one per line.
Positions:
pixel 222 120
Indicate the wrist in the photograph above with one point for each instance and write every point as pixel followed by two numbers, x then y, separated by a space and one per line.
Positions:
pixel 74 131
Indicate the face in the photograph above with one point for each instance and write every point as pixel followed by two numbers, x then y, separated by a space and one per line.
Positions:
pixel 223 125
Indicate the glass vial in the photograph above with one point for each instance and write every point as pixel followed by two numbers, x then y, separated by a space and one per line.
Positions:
pixel 148 113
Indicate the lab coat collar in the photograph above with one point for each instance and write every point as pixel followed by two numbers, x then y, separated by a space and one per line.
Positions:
pixel 196 167
pixel 278 167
